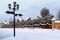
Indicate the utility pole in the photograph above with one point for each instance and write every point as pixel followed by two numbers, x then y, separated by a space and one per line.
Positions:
pixel 15 7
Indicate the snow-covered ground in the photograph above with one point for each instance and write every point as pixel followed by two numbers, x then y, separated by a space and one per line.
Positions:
pixel 29 34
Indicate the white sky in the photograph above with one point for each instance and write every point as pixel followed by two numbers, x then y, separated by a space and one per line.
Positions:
pixel 29 8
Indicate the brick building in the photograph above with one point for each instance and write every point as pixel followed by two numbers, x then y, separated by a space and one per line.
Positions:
pixel 55 24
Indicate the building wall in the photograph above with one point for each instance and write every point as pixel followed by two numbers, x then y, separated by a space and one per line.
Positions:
pixel 46 26
pixel 55 25
pixel 1 25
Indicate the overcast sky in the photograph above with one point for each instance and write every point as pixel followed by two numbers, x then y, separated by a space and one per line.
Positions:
pixel 29 8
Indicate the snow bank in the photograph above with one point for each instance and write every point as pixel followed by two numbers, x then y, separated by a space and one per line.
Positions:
pixel 5 33
pixel 34 34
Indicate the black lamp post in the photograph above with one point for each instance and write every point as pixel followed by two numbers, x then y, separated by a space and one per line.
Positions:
pixel 15 7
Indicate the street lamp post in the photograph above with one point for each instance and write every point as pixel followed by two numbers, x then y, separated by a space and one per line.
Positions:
pixel 15 7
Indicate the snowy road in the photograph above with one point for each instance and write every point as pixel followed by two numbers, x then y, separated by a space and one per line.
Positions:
pixel 30 34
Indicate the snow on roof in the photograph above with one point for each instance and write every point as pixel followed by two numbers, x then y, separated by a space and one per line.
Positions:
pixel 27 18
pixel 6 22
pixel 53 18
pixel 57 21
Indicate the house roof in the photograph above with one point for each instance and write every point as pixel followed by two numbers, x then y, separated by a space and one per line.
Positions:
pixel 53 18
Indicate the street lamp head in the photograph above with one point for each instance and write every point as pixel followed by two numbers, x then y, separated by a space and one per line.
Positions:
pixel 17 6
pixel 14 3
pixel 20 15
pixel 9 5
pixel 9 12
pixel 16 14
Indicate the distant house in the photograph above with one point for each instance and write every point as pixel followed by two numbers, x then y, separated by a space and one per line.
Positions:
pixel 7 22
pixel 56 24
pixel 1 25
pixel 48 26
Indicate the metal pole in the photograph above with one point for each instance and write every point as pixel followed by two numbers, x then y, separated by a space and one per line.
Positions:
pixel 14 20
pixel 16 7
pixel 14 24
